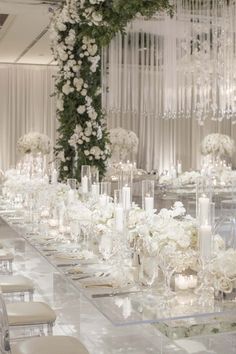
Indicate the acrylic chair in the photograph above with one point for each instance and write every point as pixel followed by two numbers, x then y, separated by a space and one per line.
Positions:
pixel 17 285
pixel 39 345
pixel 25 315
pixel 6 260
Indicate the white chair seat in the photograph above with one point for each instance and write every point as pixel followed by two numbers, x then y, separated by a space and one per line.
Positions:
pixel 50 345
pixel 29 313
pixel 15 283
pixel 6 255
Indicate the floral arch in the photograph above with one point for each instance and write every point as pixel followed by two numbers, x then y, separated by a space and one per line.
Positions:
pixel 79 30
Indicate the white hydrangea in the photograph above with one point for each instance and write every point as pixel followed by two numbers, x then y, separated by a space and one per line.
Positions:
pixel 81 109
pixel 67 89
pixel 78 83
pixel 34 142
pixel 217 144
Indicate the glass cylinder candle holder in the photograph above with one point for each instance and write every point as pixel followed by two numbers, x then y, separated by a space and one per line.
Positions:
pixel 117 197
pixel 71 195
pixel 179 167
pixel 94 175
pixel 72 183
pixel 125 177
pixel 85 179
pixel 205 234
pixel 148 195
pixel 95 190
pixel 95 187
pixel 105 190
pixel 119 211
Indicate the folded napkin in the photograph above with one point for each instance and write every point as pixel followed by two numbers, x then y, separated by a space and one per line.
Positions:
pixel 67 256
pixel 98 283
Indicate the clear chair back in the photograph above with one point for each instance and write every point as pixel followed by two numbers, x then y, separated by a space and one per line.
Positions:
pixel 4 329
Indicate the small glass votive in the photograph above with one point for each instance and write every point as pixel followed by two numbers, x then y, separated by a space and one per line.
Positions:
pixel 85 179
pixel 148 195
pixel 185 282
pixel 72 183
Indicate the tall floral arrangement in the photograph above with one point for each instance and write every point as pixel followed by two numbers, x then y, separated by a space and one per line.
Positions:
pixel 122 142
pixel 33 143
pixel 79 30
pixel 217 144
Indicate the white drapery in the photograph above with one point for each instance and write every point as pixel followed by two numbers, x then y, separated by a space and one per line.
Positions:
pixel 147 78
pixel 25 105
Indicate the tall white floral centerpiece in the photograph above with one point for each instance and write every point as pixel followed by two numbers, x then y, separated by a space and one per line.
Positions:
pixel 34 143
pixel 217 145
pixel 124 144
pixel 33 146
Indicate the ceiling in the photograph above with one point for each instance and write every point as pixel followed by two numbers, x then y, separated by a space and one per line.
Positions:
pixel 24 37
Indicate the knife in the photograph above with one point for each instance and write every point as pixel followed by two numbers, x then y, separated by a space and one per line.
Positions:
pixel 96 296
pixel 66 264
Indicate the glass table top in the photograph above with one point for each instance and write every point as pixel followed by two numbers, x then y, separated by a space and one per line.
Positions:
pixel 129 305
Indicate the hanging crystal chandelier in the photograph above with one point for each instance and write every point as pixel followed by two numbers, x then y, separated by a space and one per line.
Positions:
pixel 180 67
pixel 204 70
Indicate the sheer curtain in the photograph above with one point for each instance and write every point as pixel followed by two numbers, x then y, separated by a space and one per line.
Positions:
pixel 25 105
pixel 166 68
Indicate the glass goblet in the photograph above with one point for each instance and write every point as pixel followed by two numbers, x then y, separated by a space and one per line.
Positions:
pixel 167 263
pixel 75 231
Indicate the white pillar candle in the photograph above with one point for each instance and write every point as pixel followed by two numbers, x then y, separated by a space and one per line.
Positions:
pixel 46 179
pixel 179 168
pixel 126 197
pixel 149 203
pixel 205 241
pixel 119 219
pixel 70 196
pixel 103 200
pixel 204 205
pixel 85 185
pixel 54 176
pixel 173 172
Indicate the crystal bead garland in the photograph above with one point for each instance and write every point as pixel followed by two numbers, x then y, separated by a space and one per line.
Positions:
pixel 183 67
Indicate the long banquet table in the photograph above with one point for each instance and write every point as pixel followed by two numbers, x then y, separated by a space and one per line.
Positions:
pixel 77 307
